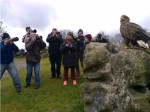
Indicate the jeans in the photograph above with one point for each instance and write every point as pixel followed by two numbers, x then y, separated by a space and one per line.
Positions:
pixel 11 68
pixel 36 72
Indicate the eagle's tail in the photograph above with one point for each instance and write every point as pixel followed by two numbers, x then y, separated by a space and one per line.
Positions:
pixel 143 40
pixel 143 44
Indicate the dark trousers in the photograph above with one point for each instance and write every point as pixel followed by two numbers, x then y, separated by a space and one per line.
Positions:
pixel 72 73
pixel 79 59
pixel 55 60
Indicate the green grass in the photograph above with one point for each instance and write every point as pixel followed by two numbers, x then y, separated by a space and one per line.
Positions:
pixel 51 97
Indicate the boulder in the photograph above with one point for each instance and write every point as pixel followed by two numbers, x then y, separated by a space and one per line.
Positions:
pixel 117 79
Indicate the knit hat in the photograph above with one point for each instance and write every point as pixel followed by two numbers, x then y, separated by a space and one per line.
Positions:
pixel 88 36
pixel 68 37
pixel 5 35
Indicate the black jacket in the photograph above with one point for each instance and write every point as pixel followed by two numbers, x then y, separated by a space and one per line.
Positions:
pixel 68 55
pixel 54 44
pixel 80 45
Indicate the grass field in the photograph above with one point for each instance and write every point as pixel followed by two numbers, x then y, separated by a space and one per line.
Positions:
pixel 52 96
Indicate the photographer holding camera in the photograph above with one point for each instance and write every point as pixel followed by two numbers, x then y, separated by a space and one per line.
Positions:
pixel 33 44
pixel 7 49
pixel 68 51
pixel 54 39
pixel 80 46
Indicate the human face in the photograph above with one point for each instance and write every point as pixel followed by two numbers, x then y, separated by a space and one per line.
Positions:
pixel 28 31
pixel 54 32
pixel 67 41
pixel 6 40
pixel 86 40
pixel 80 34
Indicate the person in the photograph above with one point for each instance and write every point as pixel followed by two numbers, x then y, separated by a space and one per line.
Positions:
pixel 68 58
pixel 100 38
pixel 55 40
pixel 80 46
pixel 33 44
pixel 27 35
pixel 7 49
pixel 88 38
pixel 72 35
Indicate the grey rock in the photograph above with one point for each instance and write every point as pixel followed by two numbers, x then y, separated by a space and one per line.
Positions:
pixel 115 81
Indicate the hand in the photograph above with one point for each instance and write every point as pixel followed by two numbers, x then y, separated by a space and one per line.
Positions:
pixel 33 37
pixel 78 39
pixel 11 42
pixel 67 45
pixel 54 34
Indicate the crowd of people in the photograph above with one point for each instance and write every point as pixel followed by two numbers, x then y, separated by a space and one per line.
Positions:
pixel 67 51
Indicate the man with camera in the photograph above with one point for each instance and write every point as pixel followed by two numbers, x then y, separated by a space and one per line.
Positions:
pixel 33 44
pixel 55 40
pixel 7 49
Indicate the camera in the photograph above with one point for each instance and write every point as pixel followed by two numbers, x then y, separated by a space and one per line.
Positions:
pixel 34 31
pixel 39 38
pixel 20 52
pixel 58 33
pixel 14 39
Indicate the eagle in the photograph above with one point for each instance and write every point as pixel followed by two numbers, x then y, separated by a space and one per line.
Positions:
pixel 133 34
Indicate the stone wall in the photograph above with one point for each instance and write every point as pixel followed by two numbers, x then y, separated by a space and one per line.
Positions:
pixel 117 80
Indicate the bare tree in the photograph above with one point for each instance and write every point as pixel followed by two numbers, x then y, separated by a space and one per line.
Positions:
pixel 117 39
pixel 2 30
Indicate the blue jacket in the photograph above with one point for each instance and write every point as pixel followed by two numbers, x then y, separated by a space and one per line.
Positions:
pixel 7 52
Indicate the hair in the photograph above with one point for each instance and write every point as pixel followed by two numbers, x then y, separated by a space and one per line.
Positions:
pixel 27 28
pixel 71 34
pixel 88 36
pixel 68 37
pixel 5 35
pixel 54 29
pixel 80 30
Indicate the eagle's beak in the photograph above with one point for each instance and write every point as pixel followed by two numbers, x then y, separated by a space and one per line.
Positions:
pixel 121 18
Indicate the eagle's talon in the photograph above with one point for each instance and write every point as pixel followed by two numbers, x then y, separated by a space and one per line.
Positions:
pixel 127 47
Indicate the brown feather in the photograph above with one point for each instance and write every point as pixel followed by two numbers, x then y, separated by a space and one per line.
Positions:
pixel 132 31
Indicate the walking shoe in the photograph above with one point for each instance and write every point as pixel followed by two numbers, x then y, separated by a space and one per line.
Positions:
pixel 58 76
pixel 52 76
pixel 26 86
pixel 74 82
pixel 18 90
pixel 65 83
pixel 37 87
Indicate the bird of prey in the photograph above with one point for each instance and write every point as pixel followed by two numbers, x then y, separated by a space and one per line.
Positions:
pixel 133 33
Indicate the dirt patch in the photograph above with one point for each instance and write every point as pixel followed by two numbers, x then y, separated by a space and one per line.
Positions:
pixel 20 64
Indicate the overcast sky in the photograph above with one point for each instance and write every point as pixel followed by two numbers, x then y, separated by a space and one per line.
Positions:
pixel 92 16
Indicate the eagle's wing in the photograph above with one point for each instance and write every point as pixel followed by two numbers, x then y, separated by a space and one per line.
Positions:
pixel 128 30
pixel 140 34
pixel 133 31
